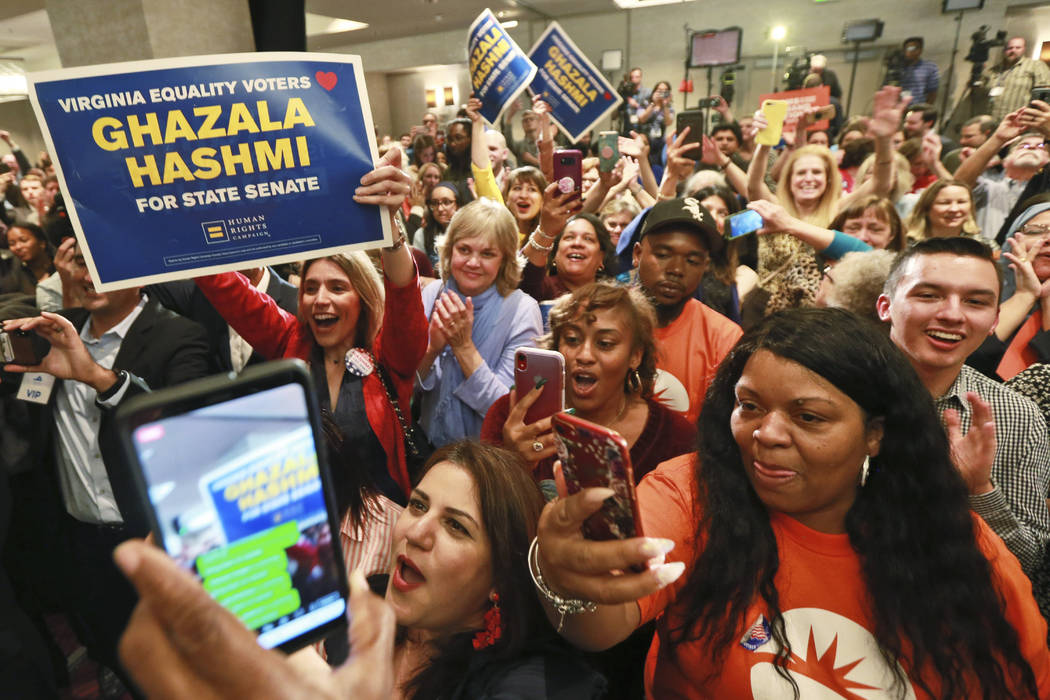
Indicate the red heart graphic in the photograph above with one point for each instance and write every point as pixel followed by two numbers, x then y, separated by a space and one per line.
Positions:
pixel 326 80
pixel 607 95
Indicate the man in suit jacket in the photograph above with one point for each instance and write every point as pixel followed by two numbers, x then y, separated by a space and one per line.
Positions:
pixel 231 352
pixel 117 345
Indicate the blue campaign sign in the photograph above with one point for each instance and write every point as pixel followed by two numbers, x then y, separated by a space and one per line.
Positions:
pixel 578 94
pixel 273 484
pixel 179 167
pixel 499 70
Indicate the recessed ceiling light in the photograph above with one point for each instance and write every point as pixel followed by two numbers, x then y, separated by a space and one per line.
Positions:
pixel 509 24
pixel 322 24
pixel 635 4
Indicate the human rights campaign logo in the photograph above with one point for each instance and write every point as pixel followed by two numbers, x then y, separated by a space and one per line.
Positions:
pixel 215 232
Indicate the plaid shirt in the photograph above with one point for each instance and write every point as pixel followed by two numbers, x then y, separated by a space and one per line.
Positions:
pixel 1016 508
pixel 1016 83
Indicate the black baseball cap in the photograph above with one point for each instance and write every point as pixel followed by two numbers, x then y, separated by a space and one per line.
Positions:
pixel 683 212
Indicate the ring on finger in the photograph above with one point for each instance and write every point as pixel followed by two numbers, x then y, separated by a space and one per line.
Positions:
pixel 537 446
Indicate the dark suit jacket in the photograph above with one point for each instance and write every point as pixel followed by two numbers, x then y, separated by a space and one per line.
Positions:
pixel 185 298
pixel 161 349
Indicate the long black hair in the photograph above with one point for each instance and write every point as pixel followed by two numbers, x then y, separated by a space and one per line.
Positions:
pixel 930 589
pixel 510 504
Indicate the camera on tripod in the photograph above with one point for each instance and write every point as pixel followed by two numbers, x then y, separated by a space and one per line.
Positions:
pixel 895 63
pixel 981 43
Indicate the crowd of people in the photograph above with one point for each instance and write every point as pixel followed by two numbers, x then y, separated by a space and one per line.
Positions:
pixel 838 426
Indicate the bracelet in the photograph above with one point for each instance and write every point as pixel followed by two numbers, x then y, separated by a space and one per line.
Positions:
pixel 402 236
pixel 539 231
pixel 541 248
pixel 563 606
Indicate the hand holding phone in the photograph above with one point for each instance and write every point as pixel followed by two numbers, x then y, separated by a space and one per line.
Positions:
pixel 608 151
pixel 533 368
pixel 595 456
pixel 568 170
pixel 23 347
pixel 742 223
pixel 233 475
pixel 775 111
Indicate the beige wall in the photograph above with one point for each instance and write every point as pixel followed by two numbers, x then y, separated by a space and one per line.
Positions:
pixel 654 38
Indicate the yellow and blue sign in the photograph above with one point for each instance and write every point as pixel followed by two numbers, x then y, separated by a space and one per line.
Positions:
pixel 499 69
pixel 578 94
pixel 259 152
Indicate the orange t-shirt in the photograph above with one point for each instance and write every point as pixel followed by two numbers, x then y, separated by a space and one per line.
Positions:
pixel 690 350
pixel 822 596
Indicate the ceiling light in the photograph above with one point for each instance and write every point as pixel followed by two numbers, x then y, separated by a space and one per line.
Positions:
pixel 510 24
pixel 322 24
pixel 778 32
pixel 635 4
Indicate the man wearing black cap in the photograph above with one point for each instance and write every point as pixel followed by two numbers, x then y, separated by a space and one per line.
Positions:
pixel 677 241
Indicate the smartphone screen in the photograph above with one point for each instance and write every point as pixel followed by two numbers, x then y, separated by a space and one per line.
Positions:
pixel 237 495
pixel 742 223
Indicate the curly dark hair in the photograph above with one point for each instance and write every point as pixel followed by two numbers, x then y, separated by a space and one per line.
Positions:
pixel 510 503
pixel 930 589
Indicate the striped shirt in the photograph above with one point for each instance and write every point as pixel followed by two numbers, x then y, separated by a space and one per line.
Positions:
pixel 1016 508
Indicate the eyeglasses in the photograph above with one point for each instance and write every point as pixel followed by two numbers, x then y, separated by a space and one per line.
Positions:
pixel 438 203
pixel 1035 230
pixel 1031 146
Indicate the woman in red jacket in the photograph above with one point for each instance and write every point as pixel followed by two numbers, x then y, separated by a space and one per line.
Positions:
pixel 340 328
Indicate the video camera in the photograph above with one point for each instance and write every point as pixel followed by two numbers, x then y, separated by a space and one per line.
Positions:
pixel 895 63
pixel 796 73
pixel 626 88
pixel 981 44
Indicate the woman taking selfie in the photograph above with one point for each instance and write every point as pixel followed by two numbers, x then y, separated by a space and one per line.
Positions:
pixel 822 527
pixel 579 255
pixel 341 332
pixel 605 333
pixel 478 318
pixel 470 625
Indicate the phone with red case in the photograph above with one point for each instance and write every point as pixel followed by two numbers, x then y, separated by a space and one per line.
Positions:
pixel 594 456
pixel 533 366
pixel 568 170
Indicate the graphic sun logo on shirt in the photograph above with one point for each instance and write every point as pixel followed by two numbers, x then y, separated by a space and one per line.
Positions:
pixel 669 390
pixel 832 657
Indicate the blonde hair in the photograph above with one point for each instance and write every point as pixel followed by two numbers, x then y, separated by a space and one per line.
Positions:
pixel 369 287
pixel 918 225
pixel 902 183
pixel 829 200
pixel 493 222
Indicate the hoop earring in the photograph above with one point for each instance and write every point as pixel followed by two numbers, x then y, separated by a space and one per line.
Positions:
pixel 864 469
pixel 493 626
pixel 634 381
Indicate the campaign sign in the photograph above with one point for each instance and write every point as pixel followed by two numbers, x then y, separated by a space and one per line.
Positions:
pixel 180 167
pixel 578 94
pixel 799 101
pixel 274 484
pixel 499 70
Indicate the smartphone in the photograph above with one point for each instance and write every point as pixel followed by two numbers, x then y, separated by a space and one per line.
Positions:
pixel 694 119
pixel 23 347
pixel 233 473
pixel 534 367
pixel 826 112
pixel 593 455
pixel 775 111
pixel 708 103
pixel 742 223
pixel 568 170
pixel 608 151
pixel 1041 92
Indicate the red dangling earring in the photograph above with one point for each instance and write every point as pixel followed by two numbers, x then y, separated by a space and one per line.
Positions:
pixel 493 626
